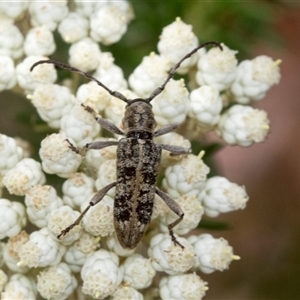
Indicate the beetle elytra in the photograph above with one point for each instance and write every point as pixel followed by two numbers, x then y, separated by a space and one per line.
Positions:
pixel 138 158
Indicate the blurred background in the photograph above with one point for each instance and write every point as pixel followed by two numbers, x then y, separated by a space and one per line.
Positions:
pixel 267 233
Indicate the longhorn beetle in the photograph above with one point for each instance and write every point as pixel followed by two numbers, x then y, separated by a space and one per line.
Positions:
pixel 138 158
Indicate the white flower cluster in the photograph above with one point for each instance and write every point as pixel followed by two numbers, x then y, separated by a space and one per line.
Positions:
pixel 33 260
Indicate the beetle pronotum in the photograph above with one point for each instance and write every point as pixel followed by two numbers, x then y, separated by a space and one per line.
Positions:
pixel 138 158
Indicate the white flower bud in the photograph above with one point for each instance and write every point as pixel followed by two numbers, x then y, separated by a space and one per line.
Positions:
pixel 176 40
pixel 11 39
pixel 85 54
pixel 10 153
pixel 41 74
pixel 41 250
pixel 56 282
pixel 101 274
pixel 77 253
pixel 243 125
pixel 11 252
pixel 187 177
pixel 108 23
pixel 3 280
pixel 25 174
pixel 12 218
pixel 114 111
pixel 126 292
pixel 114 246
pixel 73 28
pixel 185 286
pixel 79 125
pixel 91 94
pixel 211 254
pixel 254 78
pixel 172 138
pixel 170 258
pixel 171 106
pixel 217 68
pixel 52 101
pixel 106 175
pixel 150 74
pixel 47 13
pixel 77 189
pixel 98 221
pixel 206 106
pixel 57 157
pixel 220 196
pixel 138 272
pixel 14 11
pixel 39 41
pixel 40 200
pixel 8 77
pixel 20 287
pixel 193 212
pixel 110 74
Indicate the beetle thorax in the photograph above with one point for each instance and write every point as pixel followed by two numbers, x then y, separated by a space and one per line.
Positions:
pixel 139 117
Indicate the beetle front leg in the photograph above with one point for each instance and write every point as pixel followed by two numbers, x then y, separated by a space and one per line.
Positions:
pixel 175 150
pixel 173 205
pixel 96 199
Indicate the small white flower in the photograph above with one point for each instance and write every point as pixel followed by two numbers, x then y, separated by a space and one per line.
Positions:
pixel 77 253
pixel 25 174
pixel 243 125
pixel 57 157
pixel 106 175
pixel 39 41
pixel 193 212
pixel 171 106
pixel 98 221
pixel 79 125
pixel 8 77
pixel 206 106
pixel 186 177
pixel 114 110
pixel 85 54
pixel 10 153
pixel 40 201
pixel 101 274
pixel 76 189
pixel 138 272
pixel 41 250
pixel 254 78
pixel 114 246
pixel 182 287
pixel 56 282
pixel 12 218
pixel 108 24
pixel 73 27
pixel 91 94
pixel 84 8
pixel 150 74
pixel 220 196
pixel 126 292
pixel 11 252
pixel 169 258
pixel 42 74
pixel 14 11
pixel 20 287
pixel 11 39
pixel 48 13
pixel 211 254
pixel 217 68
pixel 109 74
pixel 176 40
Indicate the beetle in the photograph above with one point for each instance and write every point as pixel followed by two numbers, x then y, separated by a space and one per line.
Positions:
pixel 138 158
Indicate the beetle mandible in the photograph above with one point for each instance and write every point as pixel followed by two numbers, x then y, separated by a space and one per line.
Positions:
pixel 138 158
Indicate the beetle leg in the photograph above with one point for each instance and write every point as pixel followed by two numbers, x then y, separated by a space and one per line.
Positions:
pixel 175 150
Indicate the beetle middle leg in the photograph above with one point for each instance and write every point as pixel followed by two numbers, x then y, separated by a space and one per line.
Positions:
pixel 96 199
pixel 173 205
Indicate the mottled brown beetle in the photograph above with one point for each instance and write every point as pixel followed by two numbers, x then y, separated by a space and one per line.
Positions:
pixel 138 158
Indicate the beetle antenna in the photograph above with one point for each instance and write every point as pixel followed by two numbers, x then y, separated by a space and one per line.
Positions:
pixel 85 74
pixel 158 90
